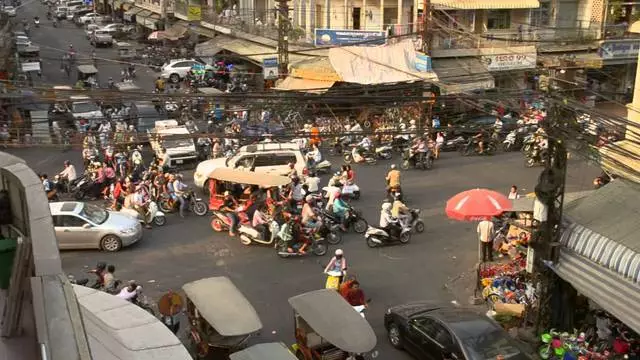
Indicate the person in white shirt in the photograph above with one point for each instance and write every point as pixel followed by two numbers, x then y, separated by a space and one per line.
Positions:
pixel 68 174
pixel 387 222
pixel 313 183
pixel 179 188
pixel 485 234
pixel 105 127
pixel 131 292
pixel 513 193
pixel 439 143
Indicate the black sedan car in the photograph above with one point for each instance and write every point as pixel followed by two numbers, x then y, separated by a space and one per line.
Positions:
pixel 432 332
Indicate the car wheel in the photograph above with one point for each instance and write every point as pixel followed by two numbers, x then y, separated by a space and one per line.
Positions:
pixel 394 336
pixel 174 78
pixel 111 243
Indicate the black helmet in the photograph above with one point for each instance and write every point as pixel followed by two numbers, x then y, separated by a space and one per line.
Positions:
pixel 101 265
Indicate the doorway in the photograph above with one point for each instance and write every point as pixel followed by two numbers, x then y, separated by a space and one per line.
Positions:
pixel 356 18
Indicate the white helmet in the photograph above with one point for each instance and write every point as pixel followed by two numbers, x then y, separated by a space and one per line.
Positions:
pixel 386 206
pixel 412 122
pixel 339 252
pixel 393 166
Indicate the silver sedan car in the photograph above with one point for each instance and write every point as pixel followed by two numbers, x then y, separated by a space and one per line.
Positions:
pixel 80 225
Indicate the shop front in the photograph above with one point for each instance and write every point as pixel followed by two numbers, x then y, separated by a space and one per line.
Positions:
pixel 130 15
pixel 599 262
pixel 509 70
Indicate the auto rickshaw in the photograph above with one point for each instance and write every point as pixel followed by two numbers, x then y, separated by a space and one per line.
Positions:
pixel 88 75
pixel 222 179
pixel 317 315
pixel 222 320
pixel 268 351
pixel 125 51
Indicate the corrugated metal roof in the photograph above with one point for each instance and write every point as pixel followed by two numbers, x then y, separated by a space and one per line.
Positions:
pixel 485 4
pixel 611 212
pixel 616 295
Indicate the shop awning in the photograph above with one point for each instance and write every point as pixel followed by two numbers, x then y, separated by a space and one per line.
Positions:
pixel 462 75
pixel 615 294
pixel 620 158
pixel 134 11
pixel 252 51
pixel 483 4
pixel 305 85
pixel 175 31
pixel 147 19
pixel 318 68
pixel 603 227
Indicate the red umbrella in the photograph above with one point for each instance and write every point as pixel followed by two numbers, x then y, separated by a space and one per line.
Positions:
pixel 476 205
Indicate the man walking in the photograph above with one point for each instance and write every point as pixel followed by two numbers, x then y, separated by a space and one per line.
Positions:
pixel 485 233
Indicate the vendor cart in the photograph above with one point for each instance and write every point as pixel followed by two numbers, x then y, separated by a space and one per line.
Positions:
pixel 317 315
pixel 88 75
pixel 268 351
pixel 222 319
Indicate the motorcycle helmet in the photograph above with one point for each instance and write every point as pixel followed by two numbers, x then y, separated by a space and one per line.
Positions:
pixel 412 122
pixel 386 206
pixel 393 166
pixel 339 252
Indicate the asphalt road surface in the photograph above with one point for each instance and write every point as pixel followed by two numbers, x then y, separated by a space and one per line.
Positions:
pixel 54 43
pixel 435 265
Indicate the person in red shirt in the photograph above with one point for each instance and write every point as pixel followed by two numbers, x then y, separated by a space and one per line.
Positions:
pixel 355 295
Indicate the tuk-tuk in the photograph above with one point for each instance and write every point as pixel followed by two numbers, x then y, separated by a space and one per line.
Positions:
pixel 222 175
pixel 268 351
pixel 222 319
pixel 125 51
pixel 317 315
pixel 88 75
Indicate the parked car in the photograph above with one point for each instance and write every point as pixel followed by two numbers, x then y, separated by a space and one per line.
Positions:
pixel 101 37
pixel 175 70
pixel 61 13
pixel 91 18
pixel 9 10
pixel 77 14
pixel 115 28
pixel 432 331
pixel 145 115
pixel 80 225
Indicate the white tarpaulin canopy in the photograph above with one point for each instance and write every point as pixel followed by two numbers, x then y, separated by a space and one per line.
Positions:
pixel 368 65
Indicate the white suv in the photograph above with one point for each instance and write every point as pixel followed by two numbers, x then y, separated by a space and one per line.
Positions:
pixel 271 158
pixel 175 70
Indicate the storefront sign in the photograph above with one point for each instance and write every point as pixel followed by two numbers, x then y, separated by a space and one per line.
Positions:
pixel 151 5
pixel 619 49
pixel 509 62
pixel 423 63
pixel 349 37
pixel 270 68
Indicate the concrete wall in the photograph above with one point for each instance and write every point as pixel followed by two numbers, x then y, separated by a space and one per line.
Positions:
pixel 59 327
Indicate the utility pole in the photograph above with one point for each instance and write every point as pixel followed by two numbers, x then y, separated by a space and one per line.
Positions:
pixel 550 194
pixel 426 48
pixel 283 36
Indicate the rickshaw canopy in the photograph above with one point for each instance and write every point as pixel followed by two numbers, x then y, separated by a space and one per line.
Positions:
pixel 87 69
pixel 248 177
pixel 268 351
pixel 331 317
pixel 222 305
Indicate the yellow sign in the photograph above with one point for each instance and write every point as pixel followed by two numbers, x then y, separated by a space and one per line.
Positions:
pixel 195 13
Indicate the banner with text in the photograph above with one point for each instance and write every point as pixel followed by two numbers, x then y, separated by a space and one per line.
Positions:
pixel 324 37
pixel 509 62
pixel 622 49
pixel 270 68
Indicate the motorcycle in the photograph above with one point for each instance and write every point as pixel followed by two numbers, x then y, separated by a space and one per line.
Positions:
pixel 221 222
pixel 471 148
pixel 536 157
pixel 323 167
pixel 413 221
pixel 36 23
pixel 367 156
pixel 340 144
pixel 196 204
pixel 153 214
pixel 528 143
pixel 249 235
pixel 378 237
pixel 454 144
pixel 419 160
pixel 82 187
pixel 353 219
pixel 384 152
pixel 509 142
pixel 317 246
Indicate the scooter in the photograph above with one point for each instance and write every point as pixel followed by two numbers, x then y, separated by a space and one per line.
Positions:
pixel 367 157
pixel 384 152
pixel 249 235
pixel 353 218
pixel 413 221
pixel 347 191
pixel 221 222
pixel 423 161
pixel 153 214
pixel 323 167
pixel 509 142
pixel 196 204
pixel 536 157
pixel 378 237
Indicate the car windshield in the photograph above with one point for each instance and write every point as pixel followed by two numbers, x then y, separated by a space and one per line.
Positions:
pixel 84 107
pixel 489 345
pixel 94 214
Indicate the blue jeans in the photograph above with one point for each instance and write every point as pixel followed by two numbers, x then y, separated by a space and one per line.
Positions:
pixel 233 217
pixel 183 204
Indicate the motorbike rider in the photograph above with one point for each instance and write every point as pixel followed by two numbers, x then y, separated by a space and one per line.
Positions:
pixel 309 217
pixel 292 172
pixel 387 222
pixel 480 138
pixel 399 210
pixel 111 84
pixel 393 179
pixel 47 185
pixel 340 208
pixel 160 84
pixel 439 144
pixel 364 146
pixel 99 271
pixel 313 183
pixel 229 205
pixel 36 21
pixel 314 156
pixel 259 221
pixel 130 292
pixel 136 159
pixel 420 149
pixel 140 204
pixel 109 280
pixel 68 174
pixel 338 263
pixel 179 188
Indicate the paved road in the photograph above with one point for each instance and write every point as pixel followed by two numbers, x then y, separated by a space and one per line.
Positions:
pixel 187 249
pixel 54 43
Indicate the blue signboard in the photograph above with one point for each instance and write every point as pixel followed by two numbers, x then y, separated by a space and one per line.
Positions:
pixel 326 37
pixel 423 63
pixel 270 68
